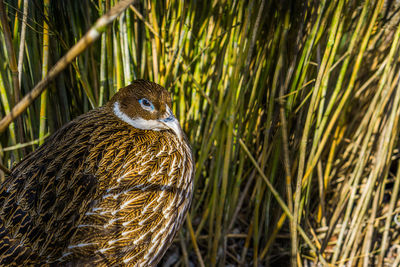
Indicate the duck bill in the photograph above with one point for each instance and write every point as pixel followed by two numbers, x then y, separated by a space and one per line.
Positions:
pixel 172 123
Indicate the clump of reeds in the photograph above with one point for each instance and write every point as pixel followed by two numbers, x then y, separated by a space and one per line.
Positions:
pixel 292 109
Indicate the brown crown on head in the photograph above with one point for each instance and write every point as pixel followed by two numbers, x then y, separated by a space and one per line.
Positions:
pixel 129 96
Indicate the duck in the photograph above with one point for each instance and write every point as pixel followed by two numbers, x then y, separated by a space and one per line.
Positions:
pixel 110 188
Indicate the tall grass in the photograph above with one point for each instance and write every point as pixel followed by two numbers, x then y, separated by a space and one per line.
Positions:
pixel 291 107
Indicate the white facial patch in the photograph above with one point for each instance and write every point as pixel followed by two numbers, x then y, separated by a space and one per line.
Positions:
pixel 139 123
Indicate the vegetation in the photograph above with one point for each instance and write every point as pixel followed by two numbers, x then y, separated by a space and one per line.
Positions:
pixel 292 109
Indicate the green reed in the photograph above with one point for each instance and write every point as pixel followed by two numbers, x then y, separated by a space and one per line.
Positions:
pixel 291 109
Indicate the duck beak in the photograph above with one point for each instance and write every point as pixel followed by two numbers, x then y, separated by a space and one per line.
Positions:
pixel 172 123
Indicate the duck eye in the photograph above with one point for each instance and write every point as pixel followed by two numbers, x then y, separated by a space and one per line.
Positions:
pixel 146 104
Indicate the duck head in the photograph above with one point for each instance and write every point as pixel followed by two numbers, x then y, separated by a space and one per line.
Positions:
pixel 145 105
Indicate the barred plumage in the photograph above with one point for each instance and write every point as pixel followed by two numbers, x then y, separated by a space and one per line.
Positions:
pixel 100 191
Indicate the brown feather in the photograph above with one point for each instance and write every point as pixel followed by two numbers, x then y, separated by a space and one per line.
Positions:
pixel 98 191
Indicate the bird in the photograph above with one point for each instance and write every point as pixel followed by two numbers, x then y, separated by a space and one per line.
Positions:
pixel 110 188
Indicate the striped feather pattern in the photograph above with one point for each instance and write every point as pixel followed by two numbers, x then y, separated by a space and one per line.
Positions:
pixel 98 192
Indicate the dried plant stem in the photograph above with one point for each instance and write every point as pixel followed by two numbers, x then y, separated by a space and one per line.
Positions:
pixel 22 41
pixel 194 242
